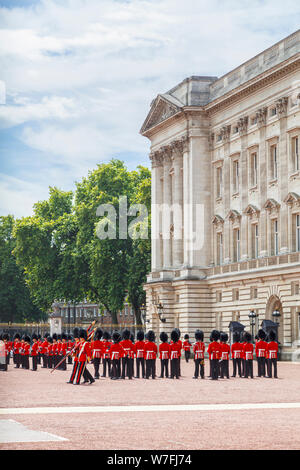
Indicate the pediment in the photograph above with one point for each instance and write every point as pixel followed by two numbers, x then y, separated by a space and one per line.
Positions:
pixel 251 209
pixel 292 198
pixel 162 108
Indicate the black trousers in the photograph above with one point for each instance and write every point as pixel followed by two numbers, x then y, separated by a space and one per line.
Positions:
pixel 63 365
pixel 34 362
pixel 106 365
pixel 87 375
pixel 272 364
pixel 126 367
pixel 140 364
pixel 115 371
pixel 199 365
pixel 50 362
pixel 74 371
pixel 243 367
pixel 249 368
pixel 150 368
pixel 164 368
pixel 214 369
pixel 237 365
pixel 224 366
pixel 187 355
pixel 70 359
pixel 96 363
pixel 175 368
pixel 45 361
pixel 25 362
pixel 17 360
pixel 261 366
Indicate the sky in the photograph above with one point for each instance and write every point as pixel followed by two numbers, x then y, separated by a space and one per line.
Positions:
pixel 79 77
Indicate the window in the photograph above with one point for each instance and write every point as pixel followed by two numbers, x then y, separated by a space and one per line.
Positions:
pixel 275 238
pixel 254 293
pixel 219 296
pixel 255 240
pixel 253 169
pixel 235 294
pixel 295 288
pixel 274 162
pixel 273 112
pixel 235 176
pixel 219 181
pixel 236 245
pixel 219 248
pixel 298 232
pixel 295 154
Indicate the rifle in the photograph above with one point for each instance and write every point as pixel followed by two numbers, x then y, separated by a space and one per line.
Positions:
pixel 90 334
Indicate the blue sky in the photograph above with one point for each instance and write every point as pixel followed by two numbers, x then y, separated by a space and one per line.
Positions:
pixel 80 76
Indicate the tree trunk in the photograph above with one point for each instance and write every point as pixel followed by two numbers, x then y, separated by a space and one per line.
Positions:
pixel 114 318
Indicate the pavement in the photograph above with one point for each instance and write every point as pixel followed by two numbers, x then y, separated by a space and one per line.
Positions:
pixel 40 411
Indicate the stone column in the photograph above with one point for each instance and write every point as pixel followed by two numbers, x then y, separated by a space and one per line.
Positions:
pixel 261 116
pixel 177 203
pixel 156 218
pixel 186 202
pixel 243 189
pixel 281 106
pixel 167 201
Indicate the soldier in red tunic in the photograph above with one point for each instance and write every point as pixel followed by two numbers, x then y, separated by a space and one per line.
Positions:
pixel 16 350
pixel 34 351
pixel 199 350
pixel 75 356
pixel 164 355
pixel 187 347
pixel 261 352
pixel 97 351
pixel 272 354
pixel 116 353
pixel 214 354
pixel 175 349
pixel 139 354
pixel 236 354
pixel 225 353
pixel 150 354
pixel 248 355
pixel 84 355
pixel 44 351
pixel 127 346
pixel 106 344
pixel 26 348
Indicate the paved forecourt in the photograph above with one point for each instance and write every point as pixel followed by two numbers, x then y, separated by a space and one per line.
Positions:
pixel 39 410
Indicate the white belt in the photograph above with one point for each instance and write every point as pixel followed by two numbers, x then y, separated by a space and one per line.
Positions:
pixel 149 355
pixel 199 355
pixel 224 356
pixel 174 354
pixel 272 354
pixel 261 353
pixel 115 355
pixel 164 355
pixel 140 353
pixel 248 355
pixel 237 354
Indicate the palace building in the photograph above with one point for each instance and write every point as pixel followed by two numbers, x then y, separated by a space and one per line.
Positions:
pixel 226 162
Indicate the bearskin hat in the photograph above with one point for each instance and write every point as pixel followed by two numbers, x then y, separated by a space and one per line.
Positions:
pixel 223 337
pixel 64 336
pixel 58 337
pixel 27 339
pixel 5 336
pixel 39 336
pixel 126 334
pixel 178 332
pixel 272 335
pixel 34 336
pixel 17 336
pixel 98 334
pixel 54 337
pixel 49 339
pixel 236 337
pixel 106 335
pixel 199 335
pixel 132 337
pixel 247 337
pixel 46 335
pixel 261 334
pixel 186 337
pixel 83 334
pixel 151 336
pixel 174 335
pixel 140 335
pixel 163 337
pixel 76 333
pixel 116 337
pixel 215 335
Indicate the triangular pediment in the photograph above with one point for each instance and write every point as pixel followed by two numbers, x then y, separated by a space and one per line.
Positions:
pixel 162 108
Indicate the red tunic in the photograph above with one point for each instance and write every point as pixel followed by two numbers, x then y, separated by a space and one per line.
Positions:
pixel 236 350
pixel 116 351
pixel 164 351
pixel 127 346
pixel 187 345
pixel 150 350
pixel 248 351
pixel 225 351
pixel 272 350
pixel 35 349
pixel 84 351
pixel 199 349
pixel 214 350
pixel 139 349
pixel 175 350
pixel 17 345
pixel 261 348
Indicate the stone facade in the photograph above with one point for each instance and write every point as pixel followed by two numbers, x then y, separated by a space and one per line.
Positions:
pixel 225 160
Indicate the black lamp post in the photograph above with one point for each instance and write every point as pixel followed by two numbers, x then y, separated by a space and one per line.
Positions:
pixel 276 315
pixel 252 317
pixel 160 310
pixel 144 314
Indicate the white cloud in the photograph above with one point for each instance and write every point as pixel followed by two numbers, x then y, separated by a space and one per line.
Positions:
pixel 80 75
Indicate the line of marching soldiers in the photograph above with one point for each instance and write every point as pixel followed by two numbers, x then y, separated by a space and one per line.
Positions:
pixel 117 353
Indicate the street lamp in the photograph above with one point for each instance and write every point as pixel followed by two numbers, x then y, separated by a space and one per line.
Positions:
pixel 144 315
pixel 252 317
pixel 276 315
pixel 160 310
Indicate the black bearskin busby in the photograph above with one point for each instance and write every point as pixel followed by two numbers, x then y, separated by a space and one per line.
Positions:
pixel 178 332
pixel 151 336
pixel 98 334
pixel 54 337
pixel 132 337
pixel 199 335
pixel 34 336
pixel 272 335
pixel 49 339
pixel 126 334
pixel 83 334
pixel 223 337
pixel 76 333
pixel 186 337
pixel 5 336
pixel 17 336
pixel 64 336
pixel 215 335
pixel 247 337
pixel 116 337
pixel 163 337
pixel 261 335
pixel 27 339
pixel 106 335
pixel 236 337
pixel 174 335
pixel 140 335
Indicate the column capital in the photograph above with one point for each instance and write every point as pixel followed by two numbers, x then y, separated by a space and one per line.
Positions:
pixel 261 116
pixel 243 125
pixel 281 106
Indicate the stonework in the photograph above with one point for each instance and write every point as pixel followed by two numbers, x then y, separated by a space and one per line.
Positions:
pixel 225 160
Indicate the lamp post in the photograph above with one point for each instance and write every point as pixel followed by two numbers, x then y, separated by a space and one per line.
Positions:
pixel 143 314
pixel 160 310
pixel 276 315
pixel 252 317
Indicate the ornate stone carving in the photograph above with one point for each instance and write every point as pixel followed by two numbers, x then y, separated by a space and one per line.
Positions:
pixel 156 159
pixel 281 106
pixel 261 116
pixel 225 133
pixel 242 125
pixel 252 211
pixel 292 199
pixel 161 109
